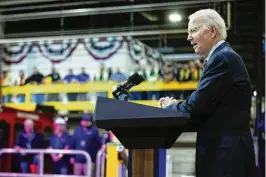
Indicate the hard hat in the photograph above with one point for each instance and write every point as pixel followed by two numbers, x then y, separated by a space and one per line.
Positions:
pixel 59 120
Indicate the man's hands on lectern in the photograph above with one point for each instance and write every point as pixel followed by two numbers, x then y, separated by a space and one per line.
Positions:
pixel 166 101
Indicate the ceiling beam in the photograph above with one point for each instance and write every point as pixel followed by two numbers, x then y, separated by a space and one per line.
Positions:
pixel 23 2
pixel 94 35
pixel 52 5
pixel 102 10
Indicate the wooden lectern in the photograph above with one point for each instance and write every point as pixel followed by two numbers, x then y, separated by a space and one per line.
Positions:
pixel 143 130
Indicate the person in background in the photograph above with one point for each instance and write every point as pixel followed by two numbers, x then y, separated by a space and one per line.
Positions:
pixel 86 137
pixel 70 77
pixel 167 72
pixel 110 73
pixel 194 71
pixel 35 78
pixel 184 73
pixel 21 79
pixel 60 140
pixel 83 77
pixel 29 139
pixel 54 77
pixel 103 73
pixel 6 79
pixel 118 76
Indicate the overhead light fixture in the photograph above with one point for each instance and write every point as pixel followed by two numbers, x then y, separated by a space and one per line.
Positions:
pixel 175 17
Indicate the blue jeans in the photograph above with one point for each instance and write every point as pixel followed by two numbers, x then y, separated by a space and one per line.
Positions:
pixel 24 165
pixel 60 168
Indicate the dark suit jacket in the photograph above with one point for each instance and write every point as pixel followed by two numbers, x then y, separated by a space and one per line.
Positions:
pixel 220 109
pixel 37 142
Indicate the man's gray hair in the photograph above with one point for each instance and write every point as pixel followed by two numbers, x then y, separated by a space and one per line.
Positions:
pixel 211 18
pixel 28 122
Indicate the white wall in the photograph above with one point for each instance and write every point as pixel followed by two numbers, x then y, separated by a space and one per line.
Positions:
pixel 80 58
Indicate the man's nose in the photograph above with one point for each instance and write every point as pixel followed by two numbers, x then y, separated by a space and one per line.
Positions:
pixel 189 37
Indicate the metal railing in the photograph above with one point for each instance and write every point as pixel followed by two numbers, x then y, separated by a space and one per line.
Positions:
pixel 100 163
pixel 41 152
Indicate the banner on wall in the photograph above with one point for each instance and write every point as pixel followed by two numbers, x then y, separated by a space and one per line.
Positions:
pixel 58 51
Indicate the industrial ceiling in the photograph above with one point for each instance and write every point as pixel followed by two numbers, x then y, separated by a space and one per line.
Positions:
pixel 147 20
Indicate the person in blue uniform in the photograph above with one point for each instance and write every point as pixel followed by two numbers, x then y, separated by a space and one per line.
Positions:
pixel 29 139
pixel 86 137
pixel 60 140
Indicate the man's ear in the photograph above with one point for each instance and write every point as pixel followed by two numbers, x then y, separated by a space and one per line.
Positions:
pixel 213 31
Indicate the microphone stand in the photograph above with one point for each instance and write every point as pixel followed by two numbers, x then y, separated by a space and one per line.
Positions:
pixel 122 94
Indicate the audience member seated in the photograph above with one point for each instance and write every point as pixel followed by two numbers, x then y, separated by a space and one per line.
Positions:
pixel 118 76
pixel 29 139
pixel 70 77
pixel 83 77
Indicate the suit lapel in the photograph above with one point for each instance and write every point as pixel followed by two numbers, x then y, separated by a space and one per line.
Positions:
pixel 220 47
pixel 205 64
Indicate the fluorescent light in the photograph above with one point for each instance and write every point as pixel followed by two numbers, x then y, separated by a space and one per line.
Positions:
pixel 175 17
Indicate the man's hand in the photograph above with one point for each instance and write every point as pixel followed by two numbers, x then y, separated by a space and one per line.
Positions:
pixel 166 101
pixel 17 148
pixel 56 158
pixel 72 160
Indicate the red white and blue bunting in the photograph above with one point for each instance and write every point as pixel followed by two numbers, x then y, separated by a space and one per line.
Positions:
pixel 16 53
pixel 103 48
pixel 98 48
pixel 136 50
pixel 57 51
pixel 139 51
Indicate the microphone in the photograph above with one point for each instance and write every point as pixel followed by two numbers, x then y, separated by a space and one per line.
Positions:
pixel 132 81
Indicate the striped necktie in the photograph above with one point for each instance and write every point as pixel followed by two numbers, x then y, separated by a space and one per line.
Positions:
pixel 203 67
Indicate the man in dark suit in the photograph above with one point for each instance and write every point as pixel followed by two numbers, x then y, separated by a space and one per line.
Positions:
pixel 220 106
pixel 29 139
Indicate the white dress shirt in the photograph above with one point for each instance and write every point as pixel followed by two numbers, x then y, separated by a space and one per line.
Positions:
pixel 213 48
